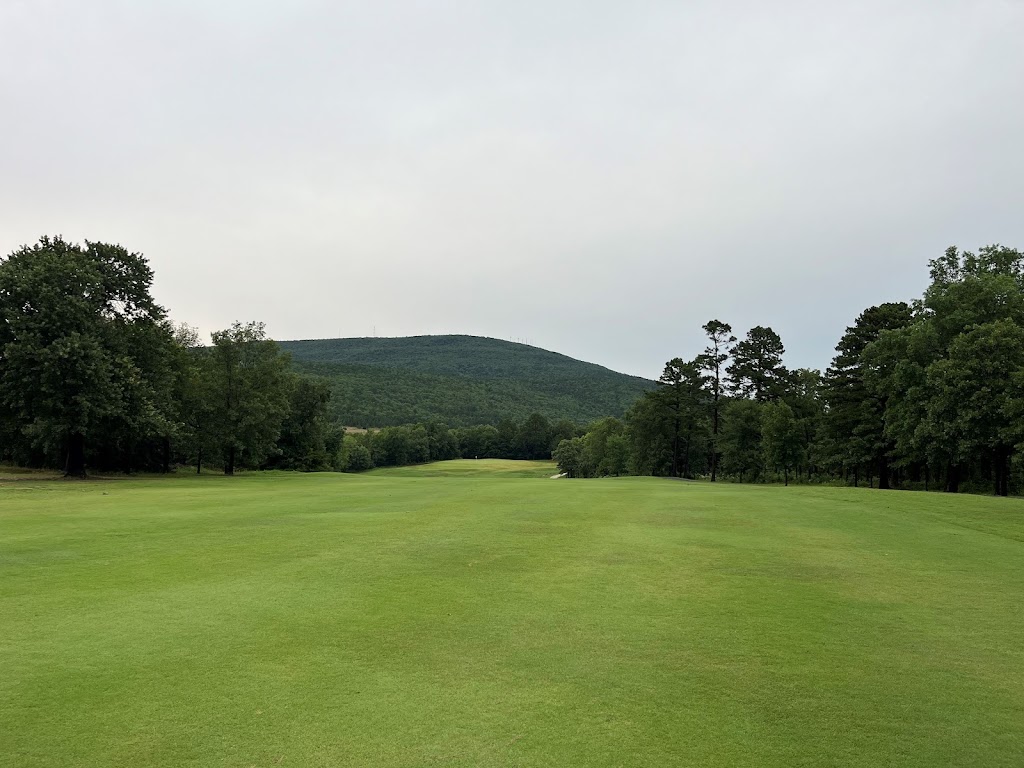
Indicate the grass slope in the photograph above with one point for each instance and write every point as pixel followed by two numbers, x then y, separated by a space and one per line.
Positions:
pixel 461 380
pixel 456 616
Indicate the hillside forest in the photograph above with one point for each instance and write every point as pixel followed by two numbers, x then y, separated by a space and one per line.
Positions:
pixel 459 380
pixel 927 394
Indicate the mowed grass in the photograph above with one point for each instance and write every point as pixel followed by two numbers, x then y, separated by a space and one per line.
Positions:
pixel 445 616
pixel 491 468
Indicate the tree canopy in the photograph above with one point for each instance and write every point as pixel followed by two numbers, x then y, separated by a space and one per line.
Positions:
pixel 927 393
pixel 83 350
pixel 917 393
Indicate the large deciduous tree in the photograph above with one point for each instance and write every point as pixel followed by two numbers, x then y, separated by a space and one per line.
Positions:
pixel 568 454
pixel 305 430
pixel 650 436
pixel 533 439
pixel 968 309
pixel 979 395
pixel 249 389
pixel 80 347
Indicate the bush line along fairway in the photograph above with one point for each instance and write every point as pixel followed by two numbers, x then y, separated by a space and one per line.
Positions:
pixel 442 615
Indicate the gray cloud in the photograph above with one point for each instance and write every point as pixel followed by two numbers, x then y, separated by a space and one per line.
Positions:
pixel 600 178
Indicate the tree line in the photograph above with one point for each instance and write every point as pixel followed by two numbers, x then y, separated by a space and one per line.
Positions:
pixel 532 438
pixel 925 394
pixel 94 374
pixel 928 393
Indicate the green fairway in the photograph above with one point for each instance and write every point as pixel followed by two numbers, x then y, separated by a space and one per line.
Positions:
pixel 491 468
pixel 482 614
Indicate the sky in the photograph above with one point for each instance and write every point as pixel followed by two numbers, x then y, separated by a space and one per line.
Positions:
pixel 598 178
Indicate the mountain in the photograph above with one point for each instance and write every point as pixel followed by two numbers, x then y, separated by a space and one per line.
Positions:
pixel 460 380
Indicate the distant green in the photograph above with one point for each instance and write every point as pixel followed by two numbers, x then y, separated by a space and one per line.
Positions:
pixel 460 380
pixel 467 615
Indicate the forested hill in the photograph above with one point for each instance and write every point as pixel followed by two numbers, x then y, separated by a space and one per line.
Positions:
pixel 460 380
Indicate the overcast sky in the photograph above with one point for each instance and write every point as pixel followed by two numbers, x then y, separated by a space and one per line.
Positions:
pixel 599 178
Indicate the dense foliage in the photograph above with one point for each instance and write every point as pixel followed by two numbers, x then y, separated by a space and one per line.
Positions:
pixel 925 394
pixel 92 374
pixel 533 438
pixel 85 354
pixel 922 394
pixel 461 380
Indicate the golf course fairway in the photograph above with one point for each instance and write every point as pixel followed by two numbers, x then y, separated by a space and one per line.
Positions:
pixel 481 613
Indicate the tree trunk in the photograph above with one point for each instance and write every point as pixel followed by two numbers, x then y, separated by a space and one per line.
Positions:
pixel 883 474
pixel 1002 467
pixel 675 441
pixel 997 473
pixel 75 465
pixel 785 476
pixel 166 458
pixel 199 461
pixel 952 478
pixel 686 453
pixel 856 477
pixel 714 435
pixel 229 466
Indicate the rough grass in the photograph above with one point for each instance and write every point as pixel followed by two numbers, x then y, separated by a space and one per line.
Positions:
pixel 449 617
pixel 8 474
